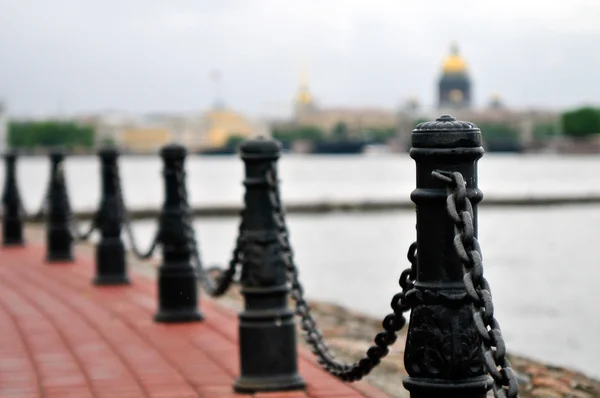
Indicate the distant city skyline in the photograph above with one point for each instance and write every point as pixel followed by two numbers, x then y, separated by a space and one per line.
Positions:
pixel 140 56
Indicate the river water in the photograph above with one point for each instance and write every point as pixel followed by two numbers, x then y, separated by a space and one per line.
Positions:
pixel 542 262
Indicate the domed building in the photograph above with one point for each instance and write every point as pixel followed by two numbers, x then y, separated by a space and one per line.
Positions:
pixel 496 102
pixel 304 103
pixel 309 113
pixel 455 84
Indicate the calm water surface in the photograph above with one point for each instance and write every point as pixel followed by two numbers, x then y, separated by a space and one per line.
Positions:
pixel 542 263
pixel 305 178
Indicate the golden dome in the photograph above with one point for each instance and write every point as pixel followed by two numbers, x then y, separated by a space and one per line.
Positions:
pixel 454 63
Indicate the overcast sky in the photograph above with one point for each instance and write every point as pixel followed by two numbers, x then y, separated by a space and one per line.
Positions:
pixel 156 55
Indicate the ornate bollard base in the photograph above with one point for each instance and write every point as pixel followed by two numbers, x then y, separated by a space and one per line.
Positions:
pixel 12 233
pixel 13 242
pixel 178 316
pixel 59 246
pixel 267 340
pixel 177 295
pixel 59 258
pixel 476 387
pixel 247 384
pixel 111 280
pixel 110 263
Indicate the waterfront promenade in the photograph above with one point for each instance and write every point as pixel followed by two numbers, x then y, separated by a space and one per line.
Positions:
pixel 63 337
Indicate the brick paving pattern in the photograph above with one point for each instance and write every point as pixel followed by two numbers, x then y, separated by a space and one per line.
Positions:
pixel 62 337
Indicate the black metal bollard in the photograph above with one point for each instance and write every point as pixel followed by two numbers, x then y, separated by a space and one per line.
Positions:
pixel 12 217
pixel 110 252
pixel 177 283
pixel 59 236
pixel 443 355
pixel 267 334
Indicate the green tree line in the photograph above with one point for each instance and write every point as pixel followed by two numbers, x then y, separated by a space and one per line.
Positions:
pixel 40 134
pixel 581 122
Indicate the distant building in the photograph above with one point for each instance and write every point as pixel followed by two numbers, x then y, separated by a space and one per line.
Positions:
pixel 305 105
pixel 455 98
pixel 222 124
pixel 144 139
pixel 197 132
pixel 454 87
pixel 496 102
pixel 412 105
pixel 356 119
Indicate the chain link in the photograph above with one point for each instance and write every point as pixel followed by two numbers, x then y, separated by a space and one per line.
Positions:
pixel 127 222
pixel 42 208
pixel 467 247
pixel 79 236
pixel 73 225
pixel 392 323
pixel 215 287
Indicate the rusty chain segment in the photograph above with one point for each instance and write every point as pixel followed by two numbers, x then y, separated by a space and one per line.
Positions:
pixel 392 323
pixel 467 247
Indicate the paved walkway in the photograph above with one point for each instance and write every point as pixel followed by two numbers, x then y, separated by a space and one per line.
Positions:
pixel 61 337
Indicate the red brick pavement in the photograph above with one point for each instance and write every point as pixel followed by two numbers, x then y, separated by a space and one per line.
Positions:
pixel 62 337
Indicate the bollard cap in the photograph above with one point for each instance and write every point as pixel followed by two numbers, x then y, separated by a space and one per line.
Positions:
pixel 10 154
pixel 261 148
pixel 57 153
pixel 173 152
pixel 446 132
pixel 108 151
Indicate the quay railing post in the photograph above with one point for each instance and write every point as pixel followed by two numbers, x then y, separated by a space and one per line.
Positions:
pixel 111 266
pixel 59 236
pixel 177 281
pixel 443 356
pixel 267 331
pixel 12 217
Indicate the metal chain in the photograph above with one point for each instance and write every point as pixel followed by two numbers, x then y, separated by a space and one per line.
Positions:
pixel 392 323
pixel 74 229
pixel 74 225
pixel 467 247
pixel 215 287
pixel 218 286
pixel 34 217
pixel 134 246
pixel 85 235
pixel 127 223
pixel 42 209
